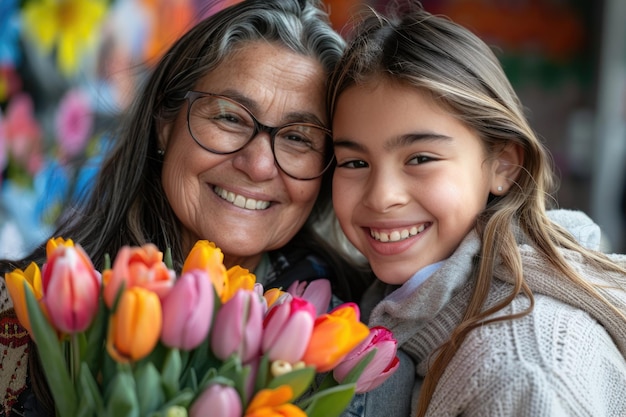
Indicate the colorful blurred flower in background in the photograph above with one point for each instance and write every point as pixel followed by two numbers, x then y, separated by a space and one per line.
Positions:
pixel 67 68
pixel 65 72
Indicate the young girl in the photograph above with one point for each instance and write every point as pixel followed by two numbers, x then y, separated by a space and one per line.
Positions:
pixel 443 186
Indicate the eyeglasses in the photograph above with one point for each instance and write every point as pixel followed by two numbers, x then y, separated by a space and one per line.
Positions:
pixel 222 126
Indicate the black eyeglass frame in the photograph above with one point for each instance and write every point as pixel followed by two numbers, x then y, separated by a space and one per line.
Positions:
pixel 191 96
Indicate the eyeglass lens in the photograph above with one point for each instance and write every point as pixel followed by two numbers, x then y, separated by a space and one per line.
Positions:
pixel 221 125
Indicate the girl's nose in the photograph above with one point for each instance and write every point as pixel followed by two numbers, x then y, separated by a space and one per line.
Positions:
pixel 256 159
pixel 384 192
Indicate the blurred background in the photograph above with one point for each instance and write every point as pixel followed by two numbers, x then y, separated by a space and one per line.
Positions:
pixel 68 67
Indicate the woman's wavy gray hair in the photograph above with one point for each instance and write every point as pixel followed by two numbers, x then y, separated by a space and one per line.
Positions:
pixel 127 204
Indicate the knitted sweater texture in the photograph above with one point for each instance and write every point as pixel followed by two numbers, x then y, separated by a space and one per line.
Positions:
pixel 565 358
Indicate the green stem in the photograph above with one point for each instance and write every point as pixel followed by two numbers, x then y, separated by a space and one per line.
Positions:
pixel 75 357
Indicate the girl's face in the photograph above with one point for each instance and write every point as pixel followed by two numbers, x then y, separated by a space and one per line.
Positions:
pixel 410 178
pixel 242 201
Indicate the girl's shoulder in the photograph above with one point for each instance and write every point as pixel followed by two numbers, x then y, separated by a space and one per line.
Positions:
pixel 553 335
pixel 557 355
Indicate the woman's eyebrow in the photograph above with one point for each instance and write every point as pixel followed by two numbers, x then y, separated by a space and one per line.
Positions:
pixel 290 117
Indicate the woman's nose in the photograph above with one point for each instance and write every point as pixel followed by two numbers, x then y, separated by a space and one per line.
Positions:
pixel 256 159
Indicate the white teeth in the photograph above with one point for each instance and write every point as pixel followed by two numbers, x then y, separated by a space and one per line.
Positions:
pixel 396 235
pixel 241 201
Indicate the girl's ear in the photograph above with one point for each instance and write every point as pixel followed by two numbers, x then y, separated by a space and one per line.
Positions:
pixel 506 168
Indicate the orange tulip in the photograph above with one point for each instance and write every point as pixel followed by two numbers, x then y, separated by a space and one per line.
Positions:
pixel 335 334
pixel 273 403
pixel 15 284
pixel 206 256
pixel 137 267
pixel 135 327
pixel 273 295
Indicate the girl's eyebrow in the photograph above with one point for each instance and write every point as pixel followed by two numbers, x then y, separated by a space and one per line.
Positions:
pixel 399 141
pixel 413 137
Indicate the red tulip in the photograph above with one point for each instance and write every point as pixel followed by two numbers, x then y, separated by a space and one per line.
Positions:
pixel 71 287
pixel 382 366
pixel 188 311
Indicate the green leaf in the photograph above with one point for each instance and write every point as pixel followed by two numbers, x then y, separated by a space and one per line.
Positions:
pixel 355 373
pixel 262 373
pixel 51 354
pixel 96 335
pixel 182 398
pixel 121 397
pixel 89 393
pixel 299 380
pixel 331 402
pixel 170 375
pixel 238 374
pixel 149 389
pixel 168 258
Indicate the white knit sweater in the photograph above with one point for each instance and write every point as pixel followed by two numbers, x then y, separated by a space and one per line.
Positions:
pixel 566 358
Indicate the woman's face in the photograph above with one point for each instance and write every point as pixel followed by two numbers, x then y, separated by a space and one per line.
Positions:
pixel 410 178
pixel 267 207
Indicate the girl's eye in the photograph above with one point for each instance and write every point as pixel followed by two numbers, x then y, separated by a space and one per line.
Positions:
pixel 420 159
pixel 353 164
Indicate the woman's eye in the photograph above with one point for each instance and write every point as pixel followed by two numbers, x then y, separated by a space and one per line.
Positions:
pixel 353 164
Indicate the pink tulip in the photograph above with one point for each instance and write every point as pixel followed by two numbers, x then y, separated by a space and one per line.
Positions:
pixel 238 327
pixel 382 366
pixel 71 287
pixel 317 292
pixel 287 330
pixel 188 310
pixel 217 400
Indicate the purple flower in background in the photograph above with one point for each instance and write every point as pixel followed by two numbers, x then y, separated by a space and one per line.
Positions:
pixel 74 122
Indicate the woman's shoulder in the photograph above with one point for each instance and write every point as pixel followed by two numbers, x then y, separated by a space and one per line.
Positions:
pixel 14 342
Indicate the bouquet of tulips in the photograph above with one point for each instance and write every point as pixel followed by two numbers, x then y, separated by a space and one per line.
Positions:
pixel 139 340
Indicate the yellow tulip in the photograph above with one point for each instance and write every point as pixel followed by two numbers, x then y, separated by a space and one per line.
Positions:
pixel 238 278
pixel 15 284
pixel 55 242
pixel 273 403
pixel 207 257
pixel 135 327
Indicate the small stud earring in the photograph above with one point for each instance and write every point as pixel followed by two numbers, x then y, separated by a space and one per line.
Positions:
pixel 499 188
pixel 161 152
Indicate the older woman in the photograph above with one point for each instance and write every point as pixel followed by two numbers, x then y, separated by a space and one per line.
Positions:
pixel 227 141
